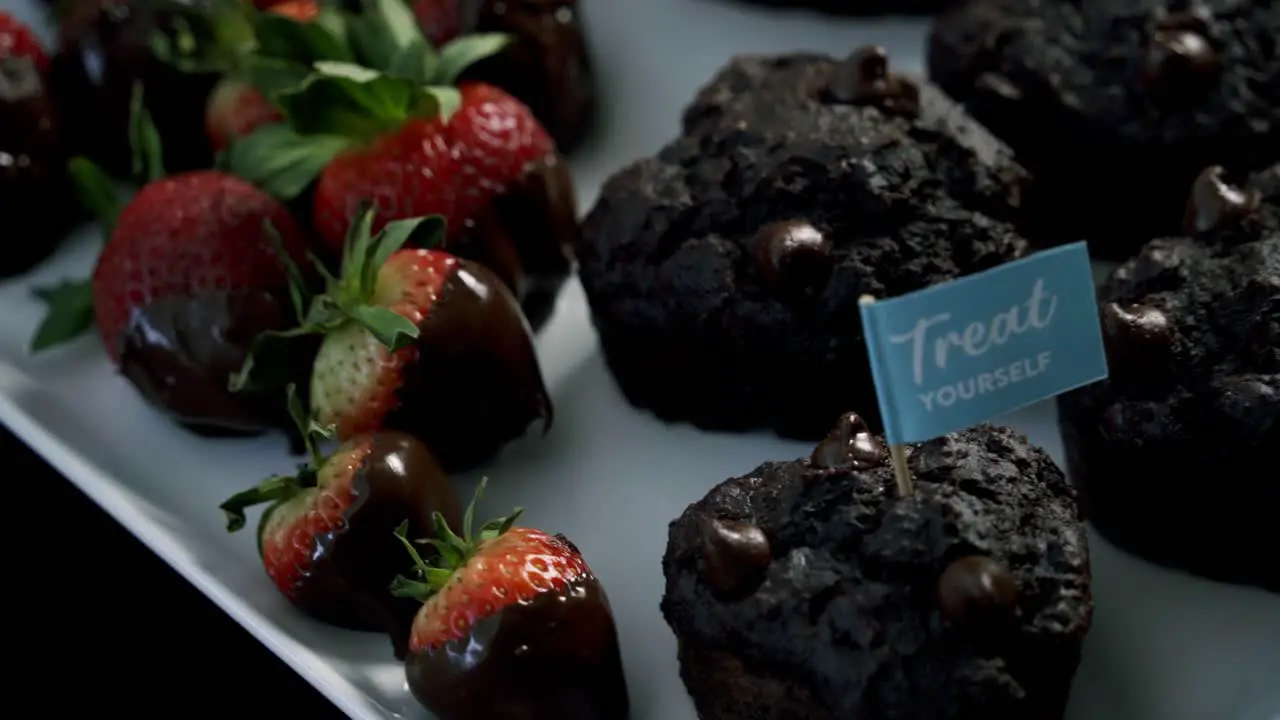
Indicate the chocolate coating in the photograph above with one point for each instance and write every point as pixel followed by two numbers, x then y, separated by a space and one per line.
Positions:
pixel 850 444
pixel 104 47
pixel 976 589
pixel 1214 204
pixel 1113 109
pixel 1167 451
pixel 526 236
pixel 549 65
pixel 555 657
pixel 180 353
pixel 475 383
pixel 735 557
pixel 353 565
pixel 682 275
pixel 33 169
pixel 864 79
pixel 854 619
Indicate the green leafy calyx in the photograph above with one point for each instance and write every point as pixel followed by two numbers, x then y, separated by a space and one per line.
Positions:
pixel 347 298
pixel 453 551
pixel 278 489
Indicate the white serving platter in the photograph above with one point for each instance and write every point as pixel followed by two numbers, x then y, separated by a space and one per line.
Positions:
pixel 1165 646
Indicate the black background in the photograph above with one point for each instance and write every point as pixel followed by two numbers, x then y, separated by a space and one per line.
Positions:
pixel 102 624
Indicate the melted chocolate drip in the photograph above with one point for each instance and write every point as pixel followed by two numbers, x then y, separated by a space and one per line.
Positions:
pixel 527 236
pixel 1216 205
pixel 793 257
pixel 976 589
pixel 354 564
pixel 549 65
pixel 849 444
pixel 555 657
pixel 735 558
pixel 180 353
pixel 864 79
pixel 475 383
pixel 33 166
pixel 1181 63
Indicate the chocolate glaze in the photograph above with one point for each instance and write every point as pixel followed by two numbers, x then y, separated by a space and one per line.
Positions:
pixel 549 65
pixel 475 383
pixel 527 237
pixel 863 78
pixel 553 658
pixel 353 565
pixel 180 352
pixel 735 558
pixel 104 47
pixel 33 169
pixel 976 589
pixel 1214 204
pixel 849 445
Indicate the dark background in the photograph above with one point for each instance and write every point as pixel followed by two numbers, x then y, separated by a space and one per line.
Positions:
pixel 114 627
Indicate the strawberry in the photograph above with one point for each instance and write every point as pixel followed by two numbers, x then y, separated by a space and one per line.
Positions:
pixel 189 276
pixel 513 625
pixel 17 41
pixel 326 538
pixel 397 132
pixel 439 20
pixel 415 340
pixel 33 162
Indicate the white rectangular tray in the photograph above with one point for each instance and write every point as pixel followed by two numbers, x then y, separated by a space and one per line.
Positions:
pixel 1164 646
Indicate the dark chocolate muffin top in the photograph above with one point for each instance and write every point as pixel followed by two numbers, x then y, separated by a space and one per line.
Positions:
pixel 817 568
pixel 1160 72
pixel 898 188
pixel 1192 326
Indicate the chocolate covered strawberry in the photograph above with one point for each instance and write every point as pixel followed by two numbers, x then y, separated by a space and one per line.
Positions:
pixel 513 626
pixel 326 536
pixel 395 130
pixel 33 160
pixel 189 276
pixel 415 340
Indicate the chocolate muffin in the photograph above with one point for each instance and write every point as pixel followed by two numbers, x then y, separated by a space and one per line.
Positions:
pixel 860 7
pixel 812 589
pixel 724 272
pixel 1115 107
pixel 1172 454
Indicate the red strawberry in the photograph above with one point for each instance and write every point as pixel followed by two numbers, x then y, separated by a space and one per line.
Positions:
pixel 17 41
pixel 440 20
pixel 421 341
pixel 513 625
pixel 189 277
pixel 414 145
pixel 326 539
pixel 236 108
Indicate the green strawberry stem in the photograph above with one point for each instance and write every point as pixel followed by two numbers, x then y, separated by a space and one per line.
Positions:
pixel 272 359
pixel 454 551
pixel 389 75
pixel 279 488
pixel 144 139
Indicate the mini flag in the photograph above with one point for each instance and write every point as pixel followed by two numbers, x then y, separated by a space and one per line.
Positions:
pixel 954 355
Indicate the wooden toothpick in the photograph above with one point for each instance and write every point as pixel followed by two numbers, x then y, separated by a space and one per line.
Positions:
pixel 898 452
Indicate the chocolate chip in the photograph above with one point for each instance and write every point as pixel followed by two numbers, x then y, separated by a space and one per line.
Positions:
pixel 1215 205
pixel 976 588
pixel 863 78
pixel 849 444
pixel 1138 338
pixel 793 255
pixel 998 84
pixel 735 558
pixel 1181 63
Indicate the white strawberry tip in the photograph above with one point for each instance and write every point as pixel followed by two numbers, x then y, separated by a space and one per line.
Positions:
pixel 427 578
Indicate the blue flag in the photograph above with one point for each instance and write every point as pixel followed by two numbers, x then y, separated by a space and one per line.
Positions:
pixel 953 355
